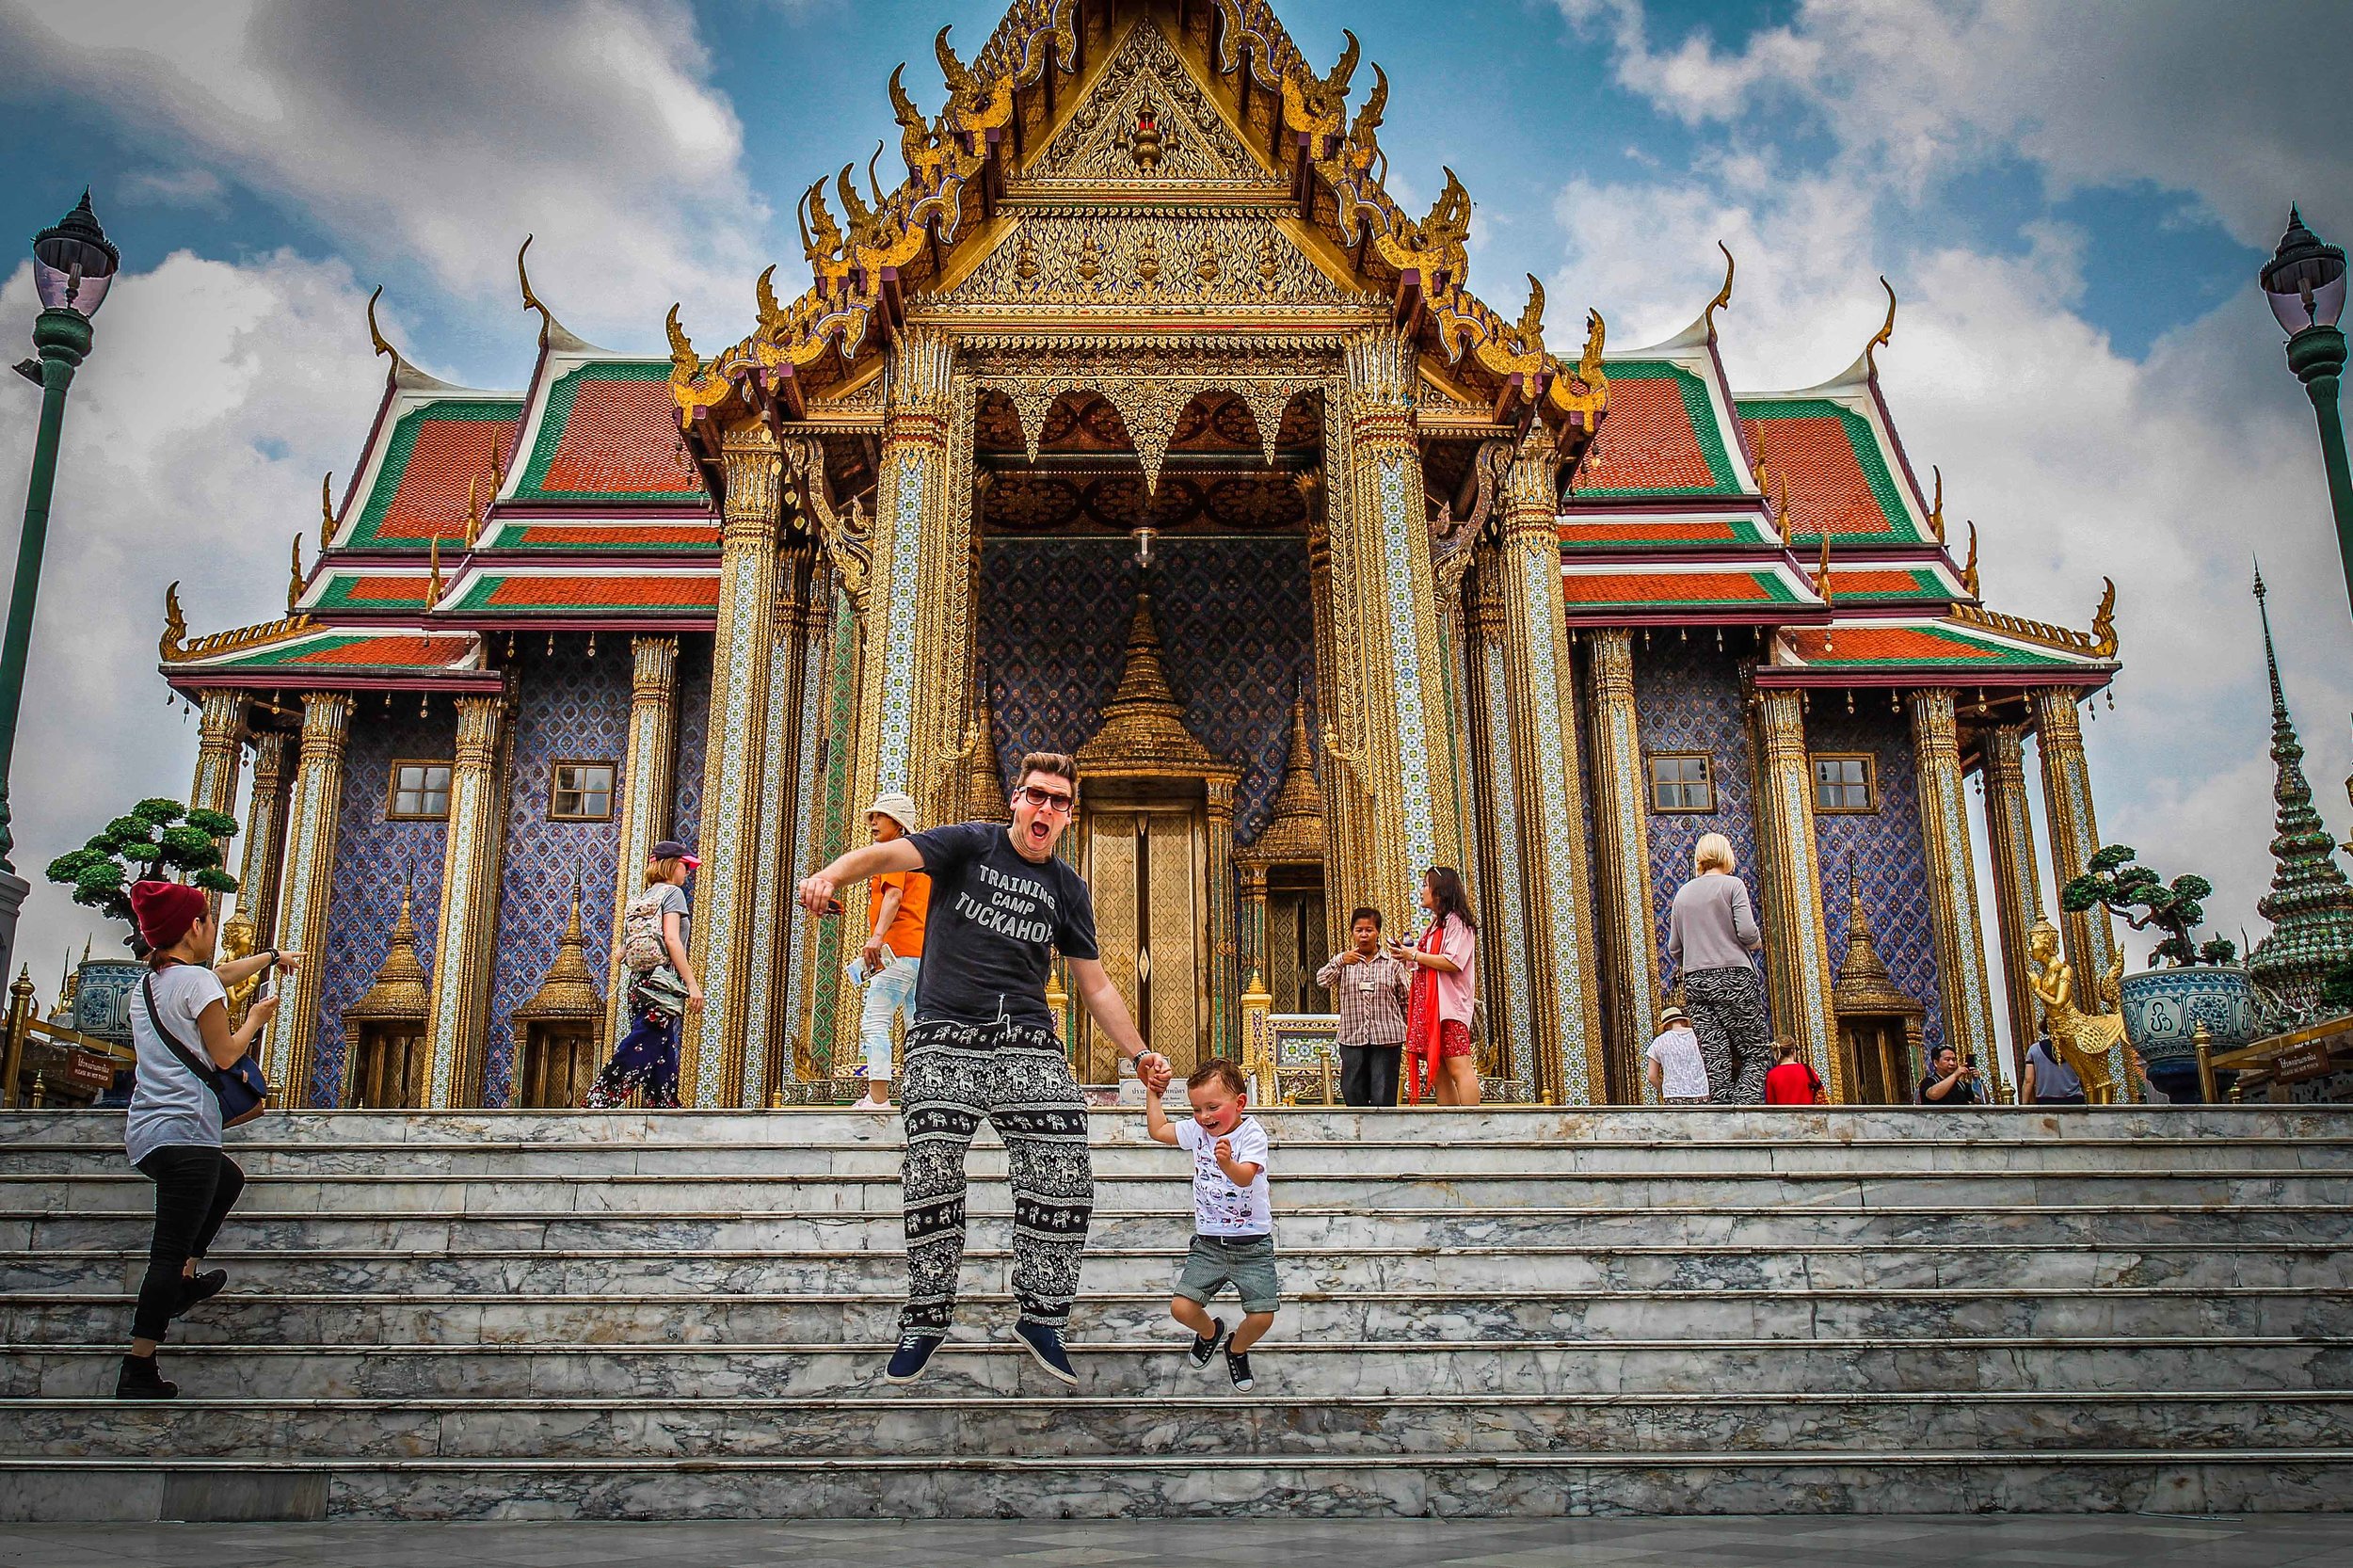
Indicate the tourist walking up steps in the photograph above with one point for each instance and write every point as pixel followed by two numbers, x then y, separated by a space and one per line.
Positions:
pixel 1446 978
pixel 983 1044
pixel 1371 989
pixel 1677 1074
pixel 1711 932
pixel 1793 1080
pixel 179 1030
pixel 1233 1219
pixel 896 904
pixel 661 988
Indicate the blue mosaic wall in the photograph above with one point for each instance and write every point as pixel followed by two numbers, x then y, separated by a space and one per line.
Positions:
pixel 371 857
pixel 1686 697
pixel 1237 626
pixel 572 707
pixel 1885 847
pixel 693 717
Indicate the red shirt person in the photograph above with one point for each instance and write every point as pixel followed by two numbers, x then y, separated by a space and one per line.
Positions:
pixel 1793 1081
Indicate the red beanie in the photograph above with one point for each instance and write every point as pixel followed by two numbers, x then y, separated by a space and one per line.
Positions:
pixel 165 910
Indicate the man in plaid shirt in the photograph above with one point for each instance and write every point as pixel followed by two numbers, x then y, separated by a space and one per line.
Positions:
pixel 1371 988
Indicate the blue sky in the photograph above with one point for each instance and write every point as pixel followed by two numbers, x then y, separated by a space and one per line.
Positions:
pixel 2072 201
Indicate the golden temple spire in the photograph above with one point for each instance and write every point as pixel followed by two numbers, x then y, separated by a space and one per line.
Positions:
pixel 399 990
pixel 1884 335
pixel 1144 723
pixel 294 581
pixel 1969 572
pixel 1294 832
pixel 984 792
pixel 1723 295
pixel 570 989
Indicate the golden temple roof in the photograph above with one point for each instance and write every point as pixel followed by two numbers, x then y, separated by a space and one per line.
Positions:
pixel 1294 835
pixel 569 991
pixel 1863 984
pixel 400 990
pixel 1143 732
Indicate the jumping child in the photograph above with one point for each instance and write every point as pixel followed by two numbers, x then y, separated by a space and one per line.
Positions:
pixel 1233 1222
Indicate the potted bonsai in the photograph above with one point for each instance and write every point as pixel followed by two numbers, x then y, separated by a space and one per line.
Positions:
pixel 156 840
pixel 2187 982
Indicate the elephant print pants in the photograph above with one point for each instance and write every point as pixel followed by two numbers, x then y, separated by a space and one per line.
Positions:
pixel 1727 1008
pixel 1016 1076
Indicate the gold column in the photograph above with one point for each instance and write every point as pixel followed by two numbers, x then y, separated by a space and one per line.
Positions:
pixel 646 793
pixel 2017 887
pixel 1344 857
pixel 318 792
pixel 773 921
pixel 1952 881
pixel 1540 693
pixel 2074 833
pixel 1797 941
pixel 726 888
pixel 1503 931
pixel 467 937
pixel 1253 915
pixel 1622 821
pixel 218 751
pixel 1224 954
pixel 265 833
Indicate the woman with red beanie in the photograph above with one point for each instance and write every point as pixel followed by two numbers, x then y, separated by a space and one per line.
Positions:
pixel 173 1134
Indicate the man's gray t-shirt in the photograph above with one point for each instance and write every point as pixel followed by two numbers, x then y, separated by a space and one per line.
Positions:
pixel 170 1105
pixel 2052 1079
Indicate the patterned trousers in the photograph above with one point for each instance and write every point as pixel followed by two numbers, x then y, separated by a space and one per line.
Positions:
pixel 1017 1077
pixel 1727 1008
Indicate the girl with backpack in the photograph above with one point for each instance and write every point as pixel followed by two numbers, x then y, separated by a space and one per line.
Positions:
pixel 661 988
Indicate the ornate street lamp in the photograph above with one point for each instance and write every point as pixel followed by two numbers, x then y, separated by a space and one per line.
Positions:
pixel 73 264
pixel 2305 283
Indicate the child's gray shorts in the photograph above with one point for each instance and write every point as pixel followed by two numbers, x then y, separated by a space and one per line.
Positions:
pixel 1246 1262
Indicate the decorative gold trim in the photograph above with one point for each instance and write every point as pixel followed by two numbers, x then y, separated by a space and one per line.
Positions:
pixel 174 650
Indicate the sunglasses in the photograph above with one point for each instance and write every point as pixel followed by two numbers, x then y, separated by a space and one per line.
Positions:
pixel 1045 800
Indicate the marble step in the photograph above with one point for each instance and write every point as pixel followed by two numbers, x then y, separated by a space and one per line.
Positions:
pixel 1193 1413
pixel 1525 1313
pixel 982 1357
pixel 1168 1192
pixel 1797 1264
pixel 662 1231
pixel 958 1485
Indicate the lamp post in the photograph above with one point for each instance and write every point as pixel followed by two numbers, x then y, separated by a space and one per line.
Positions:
pixel 2305 283
pixel 73 264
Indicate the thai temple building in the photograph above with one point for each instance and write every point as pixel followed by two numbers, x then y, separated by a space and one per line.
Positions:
pixel 1130 415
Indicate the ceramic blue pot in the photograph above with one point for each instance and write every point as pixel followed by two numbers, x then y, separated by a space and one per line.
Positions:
pixel 2163 1007
pixel 104 991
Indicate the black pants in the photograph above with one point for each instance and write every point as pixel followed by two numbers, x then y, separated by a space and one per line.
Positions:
pixel 1368 1074
pixel 195 1189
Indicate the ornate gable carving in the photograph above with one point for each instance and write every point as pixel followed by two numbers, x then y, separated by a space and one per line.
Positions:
pixel 1196 147
pixel 1146 259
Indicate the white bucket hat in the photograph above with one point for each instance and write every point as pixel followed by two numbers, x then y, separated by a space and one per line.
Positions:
pixel 899 807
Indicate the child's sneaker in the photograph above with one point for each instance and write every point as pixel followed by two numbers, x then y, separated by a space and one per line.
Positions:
pixel 1203 1349
pixel 1238 1367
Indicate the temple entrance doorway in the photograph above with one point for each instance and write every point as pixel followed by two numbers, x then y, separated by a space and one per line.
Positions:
pixel 1148 865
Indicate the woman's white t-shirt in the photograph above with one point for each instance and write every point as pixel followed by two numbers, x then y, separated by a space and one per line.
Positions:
pixel 1678 1053
pixel 172 1105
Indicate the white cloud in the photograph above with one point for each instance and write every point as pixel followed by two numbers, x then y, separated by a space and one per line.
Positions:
pixel 439 134
pixel 176 188
pixel 202 370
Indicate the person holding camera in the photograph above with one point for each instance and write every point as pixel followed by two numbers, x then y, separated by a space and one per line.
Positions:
pixel 173 1130
pixel 1952 1082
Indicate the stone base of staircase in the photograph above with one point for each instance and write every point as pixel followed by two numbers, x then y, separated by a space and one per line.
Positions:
pixel 1498 1312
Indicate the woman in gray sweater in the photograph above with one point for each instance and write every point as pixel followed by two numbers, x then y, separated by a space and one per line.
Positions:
pixel 1711 933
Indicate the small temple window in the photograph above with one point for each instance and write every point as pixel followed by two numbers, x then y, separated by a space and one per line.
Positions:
pixel 1844 783
pixel 419 791
pixel 1682 781
pixel 583 793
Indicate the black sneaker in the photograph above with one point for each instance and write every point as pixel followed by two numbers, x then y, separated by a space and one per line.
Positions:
pixel 139 1380
pixel 913 1356
pixel 1046 1349
pixel 1238 1367
pixel 1203 1349
pixel 199 1287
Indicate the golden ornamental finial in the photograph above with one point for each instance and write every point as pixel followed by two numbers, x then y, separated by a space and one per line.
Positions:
pixel 764 296
pixel 531 300
pixel 1822 571
pixel 175 628
pixel 294 582
pixel 376 333
pixel 1723 295
pixel 433 563
pixel 1936 507
pixel 473 514
pixel 1375 105
pixel 685 364
pixel 1969 571
pixel 1596 333
pixel 2104 621
pixel 1885 335
pixel 1532 319
pixel 1763 466
pixel 326 507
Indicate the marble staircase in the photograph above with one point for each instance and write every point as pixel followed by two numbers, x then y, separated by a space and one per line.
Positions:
pixel 1503 1311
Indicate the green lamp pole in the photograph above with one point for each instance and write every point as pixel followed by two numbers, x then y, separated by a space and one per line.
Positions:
pixel 74 263
pixel 2305 283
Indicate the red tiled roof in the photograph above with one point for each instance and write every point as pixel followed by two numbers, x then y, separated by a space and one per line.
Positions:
pixel 1859 645
pixel 1674 587
pixel 437 482
pixel 609 536
pixel 421 649
pixel 619 437
pixel 1647 444
pixel 1672 531
pixel 517 592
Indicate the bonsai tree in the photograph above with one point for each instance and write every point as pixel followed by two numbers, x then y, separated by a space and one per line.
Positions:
pixel 2137 896
pixel 157 841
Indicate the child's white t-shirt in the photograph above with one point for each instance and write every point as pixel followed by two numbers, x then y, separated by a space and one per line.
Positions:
pixel 1219 1207
pixel 1678 1053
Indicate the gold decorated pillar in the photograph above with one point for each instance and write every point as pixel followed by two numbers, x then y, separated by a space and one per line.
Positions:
pixel 2017 887
pixel 466 938
pixel 318 792
pixel 646 793
pixel 1540 699
pixel 1502 917
pixel 726 938
pixel 1622 822
pixel 1225 944
pixel 1253 915
pixel 265 833
pixel 219 750
pixel 767 1049
pixel 1961 976
pixel 2074 834
pixel 1796 939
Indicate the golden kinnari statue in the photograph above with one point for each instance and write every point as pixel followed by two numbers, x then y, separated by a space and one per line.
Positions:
pixel 2083 1040
pixel 236 941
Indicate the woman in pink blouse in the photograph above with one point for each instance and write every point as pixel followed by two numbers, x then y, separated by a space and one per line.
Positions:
pixel 1438 1009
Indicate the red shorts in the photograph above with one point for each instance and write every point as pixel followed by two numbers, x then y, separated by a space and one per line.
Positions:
pixel 1453 1039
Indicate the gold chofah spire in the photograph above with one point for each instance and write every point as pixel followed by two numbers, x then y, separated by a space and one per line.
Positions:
pixel 1294 835
pixel 1863 984
pixel 984 792
pixel 1144 726
pixel 569 991
pixel 400 990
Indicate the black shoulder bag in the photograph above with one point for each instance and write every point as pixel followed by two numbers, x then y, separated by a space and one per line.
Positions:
pixel 242 1092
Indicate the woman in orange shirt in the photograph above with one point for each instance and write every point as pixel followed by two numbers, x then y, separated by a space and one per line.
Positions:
pixel 896 904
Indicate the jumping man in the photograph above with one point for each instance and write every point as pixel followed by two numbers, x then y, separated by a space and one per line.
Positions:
pixel 983 1044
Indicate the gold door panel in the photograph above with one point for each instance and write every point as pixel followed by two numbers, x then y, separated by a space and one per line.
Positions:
pixel 1145 865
